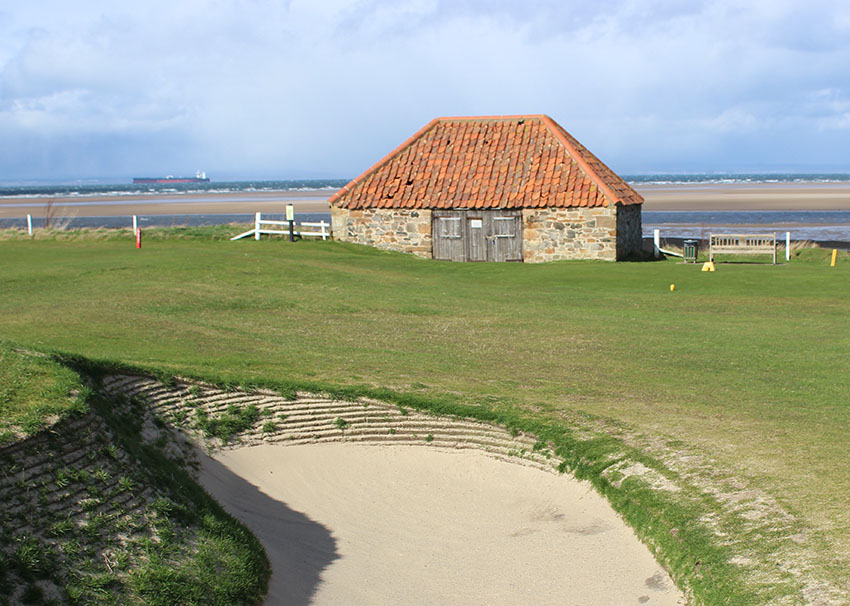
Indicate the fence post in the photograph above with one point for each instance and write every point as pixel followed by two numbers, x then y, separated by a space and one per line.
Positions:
pixel 656 240
pixel 324 231
pixel 29 224
pixel 257 226
pixel 787 245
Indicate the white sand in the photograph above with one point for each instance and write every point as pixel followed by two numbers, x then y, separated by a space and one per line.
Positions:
pixel 364 524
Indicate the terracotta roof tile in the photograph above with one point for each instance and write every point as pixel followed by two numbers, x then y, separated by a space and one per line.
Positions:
pixel 487 162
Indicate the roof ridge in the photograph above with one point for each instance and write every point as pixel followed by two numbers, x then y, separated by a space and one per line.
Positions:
pixel 559 132
pixel 614 179
pixel 493 117
pixel 443 174
pixel 372 169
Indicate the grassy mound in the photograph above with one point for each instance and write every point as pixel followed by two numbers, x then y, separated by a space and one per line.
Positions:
pixel 34 392
pixel 100 510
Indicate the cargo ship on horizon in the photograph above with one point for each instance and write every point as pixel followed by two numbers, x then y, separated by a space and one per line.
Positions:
pixel 200 177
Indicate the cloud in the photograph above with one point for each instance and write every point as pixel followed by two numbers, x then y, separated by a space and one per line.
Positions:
pixel 288 88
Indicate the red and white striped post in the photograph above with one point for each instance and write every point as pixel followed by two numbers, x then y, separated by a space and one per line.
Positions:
pixel 138 237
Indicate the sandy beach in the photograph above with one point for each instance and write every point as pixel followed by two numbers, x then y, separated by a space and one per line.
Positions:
pixel 367 524
pixel 169 204
pixel 678 197
pixel 761 196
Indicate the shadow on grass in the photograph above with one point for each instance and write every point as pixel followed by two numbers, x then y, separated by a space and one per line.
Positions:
pixel 298 548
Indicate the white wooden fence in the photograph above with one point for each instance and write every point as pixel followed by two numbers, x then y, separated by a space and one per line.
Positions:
pixel 323 232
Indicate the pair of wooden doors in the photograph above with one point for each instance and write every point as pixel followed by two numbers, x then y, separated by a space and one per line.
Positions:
pixel 477 235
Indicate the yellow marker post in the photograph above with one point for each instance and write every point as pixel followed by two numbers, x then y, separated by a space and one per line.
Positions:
pixel 834 255
pixel 708 266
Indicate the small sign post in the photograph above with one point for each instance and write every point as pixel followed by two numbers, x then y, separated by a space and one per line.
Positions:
pixel 290 216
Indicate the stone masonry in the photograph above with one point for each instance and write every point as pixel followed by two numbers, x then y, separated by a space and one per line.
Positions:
pixel 395 229
pixel 557 234
pixel 549 234
pixel 604 232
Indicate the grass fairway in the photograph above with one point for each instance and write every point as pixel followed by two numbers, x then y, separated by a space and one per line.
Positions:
pixel 746 366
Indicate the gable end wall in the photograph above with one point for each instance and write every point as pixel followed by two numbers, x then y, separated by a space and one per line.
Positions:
pixel 629 231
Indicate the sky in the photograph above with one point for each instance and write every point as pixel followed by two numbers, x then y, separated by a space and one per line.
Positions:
pixel 324 88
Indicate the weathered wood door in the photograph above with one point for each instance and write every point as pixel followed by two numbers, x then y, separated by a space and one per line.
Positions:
pixel 505 235
pixel 477 235
pixel 447 229
pixel 476 244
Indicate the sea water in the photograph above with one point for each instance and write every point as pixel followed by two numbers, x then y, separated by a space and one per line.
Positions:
pixel 89 189
pixel 709 179
pixel 820 226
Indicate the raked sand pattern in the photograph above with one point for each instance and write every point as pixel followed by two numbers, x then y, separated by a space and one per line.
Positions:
pixel 315 419
pixel 349 512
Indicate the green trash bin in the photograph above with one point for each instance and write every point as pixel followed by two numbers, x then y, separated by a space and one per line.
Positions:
pixel 691 251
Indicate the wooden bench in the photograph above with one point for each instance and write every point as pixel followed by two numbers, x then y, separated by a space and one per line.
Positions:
pixel 742 244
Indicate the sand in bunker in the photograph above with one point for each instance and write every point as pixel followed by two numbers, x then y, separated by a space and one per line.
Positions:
pixel 362 524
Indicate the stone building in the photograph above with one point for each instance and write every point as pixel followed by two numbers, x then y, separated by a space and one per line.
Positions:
pixel 501 188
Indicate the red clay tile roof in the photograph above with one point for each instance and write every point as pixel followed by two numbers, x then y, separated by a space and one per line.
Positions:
pixel 487 162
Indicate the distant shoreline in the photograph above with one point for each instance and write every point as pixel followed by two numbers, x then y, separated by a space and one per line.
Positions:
pixel 206 203
pixel 658 197
pixel 746 196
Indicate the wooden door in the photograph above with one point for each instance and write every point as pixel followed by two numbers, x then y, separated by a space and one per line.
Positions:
pixel 447 235
pixel 476 244
pixel 477 235
pixel 505 242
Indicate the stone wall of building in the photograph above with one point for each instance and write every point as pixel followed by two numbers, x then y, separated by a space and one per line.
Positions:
pixel 629 231
pixel 549 234
pixel 557 234
pixel 397 229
